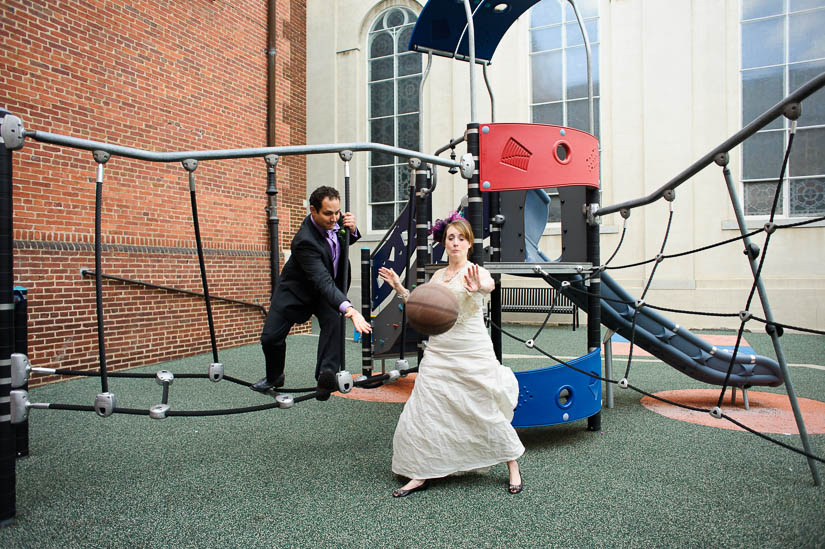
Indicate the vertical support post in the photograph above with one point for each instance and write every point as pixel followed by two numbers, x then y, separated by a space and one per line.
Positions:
pixel 366 311
pixel 422 253
pixel 272 221
pixel 594 306
pixel 722 160
pixel 343 261
pixel 8 504
pixel 496 221
pixel 474 213
pixel 471 42
pixel 21 345
pixel 101 157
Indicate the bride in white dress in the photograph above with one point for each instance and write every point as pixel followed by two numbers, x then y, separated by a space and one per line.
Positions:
pixel 458 415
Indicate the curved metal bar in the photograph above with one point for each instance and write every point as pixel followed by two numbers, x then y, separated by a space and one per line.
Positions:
pixel 766 118
pixel 471 37
pixel 589 66
pixel 490 93
pixel 224 154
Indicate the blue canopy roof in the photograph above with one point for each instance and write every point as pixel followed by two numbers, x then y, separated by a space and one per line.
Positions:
pixel 442 24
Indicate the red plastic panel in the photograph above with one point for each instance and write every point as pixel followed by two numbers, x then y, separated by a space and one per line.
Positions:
pixel 536 156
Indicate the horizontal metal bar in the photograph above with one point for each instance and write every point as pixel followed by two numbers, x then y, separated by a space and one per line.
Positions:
pixel 225 154
pixel 518 268
pixel 736 139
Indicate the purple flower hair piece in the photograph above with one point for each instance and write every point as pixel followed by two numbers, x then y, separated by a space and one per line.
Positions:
pixel 440 225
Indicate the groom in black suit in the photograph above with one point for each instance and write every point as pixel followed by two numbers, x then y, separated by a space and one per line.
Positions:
pixel 312 283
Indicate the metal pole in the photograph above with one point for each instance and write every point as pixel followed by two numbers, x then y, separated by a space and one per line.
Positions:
pixel 366 310
pixel 763 297
pixel 474 213
pixel 471 37
pixel 343 261
pixel 422 253
pixel 8 505
pixel 272 213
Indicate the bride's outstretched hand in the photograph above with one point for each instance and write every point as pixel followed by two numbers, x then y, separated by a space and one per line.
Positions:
pixel 472 282
pixel 391 277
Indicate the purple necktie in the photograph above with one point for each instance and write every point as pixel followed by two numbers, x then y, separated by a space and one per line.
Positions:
pixel 332 238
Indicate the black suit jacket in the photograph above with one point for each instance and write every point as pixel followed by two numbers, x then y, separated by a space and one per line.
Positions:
pixel 306 280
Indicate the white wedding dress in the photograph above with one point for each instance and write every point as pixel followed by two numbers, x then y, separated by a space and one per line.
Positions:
pixel 458 415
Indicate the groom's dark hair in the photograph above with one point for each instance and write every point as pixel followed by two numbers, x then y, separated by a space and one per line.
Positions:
pixel 319 194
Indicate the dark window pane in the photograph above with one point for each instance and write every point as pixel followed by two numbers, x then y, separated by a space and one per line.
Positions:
pixel 813 107
pixel 382 131
pixel 578 115
pixel 550 113
pixel 403 182
pixel 806 39
pixel 381 184
pixel 381 45
pixel 395 18
pixel 762 155
pixel 381 100
pixel 381 69
pixel 408 94
pixel 762 43
pixel 574 34
pixel 409 63
pixel 761 90
pixel 751 9
pixel 807 156
pixel 807 197
pixel 545 39
pixel 546 12
pixel 759 198
pixel 382 216
pixel 404 39
pixel 577 71
pixel 547 77
pixel 408 133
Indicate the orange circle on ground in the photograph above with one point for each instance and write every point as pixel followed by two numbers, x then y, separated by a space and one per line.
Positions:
pixel 769 412
pixel 391 392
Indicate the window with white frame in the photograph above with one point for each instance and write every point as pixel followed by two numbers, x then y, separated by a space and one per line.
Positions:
pixel 783 46
pixel 558 67
pixel 394 79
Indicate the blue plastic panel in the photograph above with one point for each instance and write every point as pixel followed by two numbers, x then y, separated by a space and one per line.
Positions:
pixel 442 26
pixel 558 394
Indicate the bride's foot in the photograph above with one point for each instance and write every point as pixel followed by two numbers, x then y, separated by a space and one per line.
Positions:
pixel 516 484
pixel 414 485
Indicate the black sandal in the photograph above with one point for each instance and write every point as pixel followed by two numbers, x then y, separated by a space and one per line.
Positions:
pixel 515 488
pixel 401 493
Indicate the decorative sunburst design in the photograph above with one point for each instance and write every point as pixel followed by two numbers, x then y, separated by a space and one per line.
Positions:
pixel 516 155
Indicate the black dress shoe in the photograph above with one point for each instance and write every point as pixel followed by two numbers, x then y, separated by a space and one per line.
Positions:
pixel 263 385
pixel 401 493
pixel 515 488
pixel 327 383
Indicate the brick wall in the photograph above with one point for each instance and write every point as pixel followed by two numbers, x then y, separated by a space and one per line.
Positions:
pixel 162 76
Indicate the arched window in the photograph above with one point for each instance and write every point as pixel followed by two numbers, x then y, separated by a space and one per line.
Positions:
pixel 558 67
pixel 394 79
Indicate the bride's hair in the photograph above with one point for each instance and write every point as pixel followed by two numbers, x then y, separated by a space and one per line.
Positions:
pixel 464 229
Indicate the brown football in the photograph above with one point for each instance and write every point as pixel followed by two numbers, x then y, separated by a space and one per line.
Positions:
pixel 432 309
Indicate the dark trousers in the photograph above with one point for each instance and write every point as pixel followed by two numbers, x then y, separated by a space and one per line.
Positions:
pixel 276 328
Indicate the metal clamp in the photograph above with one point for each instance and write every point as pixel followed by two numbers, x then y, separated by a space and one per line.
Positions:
pixel 344 379
pixel 468 166
pixel 12 132
pixel 395 375
pixel 19 406
pixel 158 411
pixel 284 401
pixel 216 371
pixel 20 369
pixel 105 404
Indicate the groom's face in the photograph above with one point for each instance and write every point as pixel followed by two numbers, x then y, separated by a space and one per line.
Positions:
pixel 329 213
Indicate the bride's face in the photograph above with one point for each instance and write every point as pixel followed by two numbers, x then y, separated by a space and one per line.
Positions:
pixel 455 243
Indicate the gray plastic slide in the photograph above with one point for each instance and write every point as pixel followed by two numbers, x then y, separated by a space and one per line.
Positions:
pixel 676 346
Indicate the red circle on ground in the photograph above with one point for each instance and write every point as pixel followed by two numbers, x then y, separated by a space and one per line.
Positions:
pixel 769 412
pixel 392 392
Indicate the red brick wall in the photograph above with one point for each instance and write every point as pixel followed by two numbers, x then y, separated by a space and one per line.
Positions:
pixel 161 76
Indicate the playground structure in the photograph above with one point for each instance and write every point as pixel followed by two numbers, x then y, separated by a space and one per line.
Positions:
pixel 494 150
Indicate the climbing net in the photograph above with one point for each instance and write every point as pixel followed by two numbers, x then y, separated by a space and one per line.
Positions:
pixel 751 250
